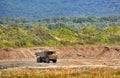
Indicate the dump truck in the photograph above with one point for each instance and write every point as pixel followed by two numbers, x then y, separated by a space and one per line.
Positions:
pixel 46 56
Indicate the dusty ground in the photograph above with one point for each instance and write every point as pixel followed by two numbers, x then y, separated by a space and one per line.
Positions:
pixel 62 63
pixel 69 57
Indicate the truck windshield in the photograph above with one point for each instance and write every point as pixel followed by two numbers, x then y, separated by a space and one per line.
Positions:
pixel 49 53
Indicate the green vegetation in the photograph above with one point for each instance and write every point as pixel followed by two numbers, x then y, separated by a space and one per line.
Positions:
pixel 17 36
pixel 60 31
pixel 62 73
pixel 73 23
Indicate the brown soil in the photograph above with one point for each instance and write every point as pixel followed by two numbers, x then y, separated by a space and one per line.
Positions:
pixel 109 52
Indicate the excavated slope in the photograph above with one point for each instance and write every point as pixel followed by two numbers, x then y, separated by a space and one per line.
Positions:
pixel 112 52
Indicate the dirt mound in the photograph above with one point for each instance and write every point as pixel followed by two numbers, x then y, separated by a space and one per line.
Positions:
pixel 63 52
pixel 91 52
pixel 16 53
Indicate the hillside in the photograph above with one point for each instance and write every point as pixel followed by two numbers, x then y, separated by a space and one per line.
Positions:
pixel 38 9
pixel 18 36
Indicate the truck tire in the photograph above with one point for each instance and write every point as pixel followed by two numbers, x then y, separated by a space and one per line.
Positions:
pixel 55 60
pixel 47 60
pixel 39 60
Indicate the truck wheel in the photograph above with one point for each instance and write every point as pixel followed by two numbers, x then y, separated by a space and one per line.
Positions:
pixel 47 60
pixel 39 60
pixel 54 61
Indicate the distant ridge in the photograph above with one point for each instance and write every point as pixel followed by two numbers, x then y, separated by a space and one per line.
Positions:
pixel 38 9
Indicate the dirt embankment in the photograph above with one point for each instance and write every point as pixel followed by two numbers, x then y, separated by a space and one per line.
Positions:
pixel 112 52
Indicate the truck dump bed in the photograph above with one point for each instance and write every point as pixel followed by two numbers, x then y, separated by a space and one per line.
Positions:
pixel 41 54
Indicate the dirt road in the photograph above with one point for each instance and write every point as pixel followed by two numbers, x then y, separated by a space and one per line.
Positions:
pixel 62 63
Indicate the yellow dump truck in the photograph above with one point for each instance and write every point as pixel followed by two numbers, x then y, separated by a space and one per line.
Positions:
pixel 46 56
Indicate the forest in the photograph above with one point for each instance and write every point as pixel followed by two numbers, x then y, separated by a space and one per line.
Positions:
pixel 39 9
pixel 60 31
